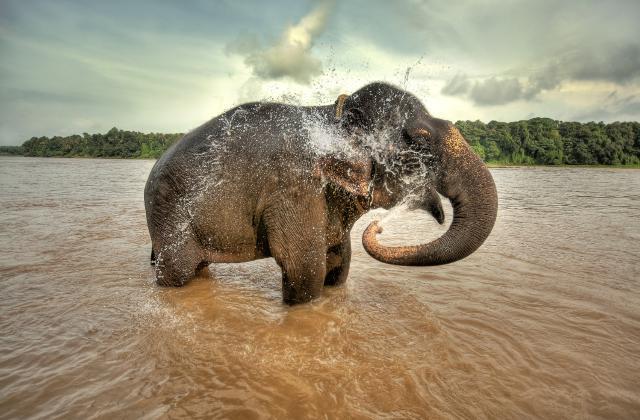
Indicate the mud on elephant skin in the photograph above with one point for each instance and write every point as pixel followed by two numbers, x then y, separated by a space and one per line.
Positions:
pixel 253 183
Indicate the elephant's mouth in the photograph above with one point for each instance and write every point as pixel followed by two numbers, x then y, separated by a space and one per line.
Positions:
pixel 388 190
pixel 380 194
pixel 366 202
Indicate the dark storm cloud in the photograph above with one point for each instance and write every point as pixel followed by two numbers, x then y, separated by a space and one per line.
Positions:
pixel 618 63
pixel 495 91
pixel 549 77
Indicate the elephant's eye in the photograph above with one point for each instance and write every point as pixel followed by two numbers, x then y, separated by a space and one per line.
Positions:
pixel 406 137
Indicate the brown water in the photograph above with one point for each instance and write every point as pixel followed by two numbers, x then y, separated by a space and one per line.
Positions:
pixel 543 321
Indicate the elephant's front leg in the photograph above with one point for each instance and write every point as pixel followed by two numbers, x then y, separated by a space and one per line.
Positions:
pixel 298 244
pixel 338 261
pixel 302 277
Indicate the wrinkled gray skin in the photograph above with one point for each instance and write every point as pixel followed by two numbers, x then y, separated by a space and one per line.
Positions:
pixel 248 185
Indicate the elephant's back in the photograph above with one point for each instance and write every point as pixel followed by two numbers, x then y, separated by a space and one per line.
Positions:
pixel 242 151
pixel 181 162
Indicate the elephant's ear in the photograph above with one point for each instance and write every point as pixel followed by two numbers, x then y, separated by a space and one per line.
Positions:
pixel 354 176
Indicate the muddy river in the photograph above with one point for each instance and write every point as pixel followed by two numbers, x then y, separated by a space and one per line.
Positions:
pixel 543 321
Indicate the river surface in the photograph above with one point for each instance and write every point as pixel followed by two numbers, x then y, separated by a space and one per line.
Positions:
pixel 543 321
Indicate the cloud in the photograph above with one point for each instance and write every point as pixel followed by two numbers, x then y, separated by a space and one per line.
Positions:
pixel 613 108
pixel 245 44
pixel 81 66
pixel 458 85
pixel 291 55
pixel 495 91
pixel 619 64
pixel 550 77
pixel 491 91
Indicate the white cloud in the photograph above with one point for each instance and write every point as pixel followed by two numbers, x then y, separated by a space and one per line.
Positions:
pixel 291 56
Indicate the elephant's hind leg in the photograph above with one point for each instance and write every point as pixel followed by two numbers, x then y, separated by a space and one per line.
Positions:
pixel 175 265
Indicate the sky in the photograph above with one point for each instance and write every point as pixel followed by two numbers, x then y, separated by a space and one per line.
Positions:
pixel 70 67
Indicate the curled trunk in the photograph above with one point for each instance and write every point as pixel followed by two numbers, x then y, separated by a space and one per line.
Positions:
pixel 472 192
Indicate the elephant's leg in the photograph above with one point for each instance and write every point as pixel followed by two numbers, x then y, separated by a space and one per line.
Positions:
pixel 338 261
pixel 177 263
pixel 303 273
pixel 202 268
pixel 299 248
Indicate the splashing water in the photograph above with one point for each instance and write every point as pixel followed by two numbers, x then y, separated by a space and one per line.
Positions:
pixel 330 140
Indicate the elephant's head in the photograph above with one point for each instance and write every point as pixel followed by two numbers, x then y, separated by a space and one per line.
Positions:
pixel 413 153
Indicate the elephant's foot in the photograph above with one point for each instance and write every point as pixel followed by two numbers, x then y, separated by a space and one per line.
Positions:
pixel 175 268
pixel 171 277
pixel 302 280
pixel 299 246
pixel 202 269
pixel 336 277
pixel 293 294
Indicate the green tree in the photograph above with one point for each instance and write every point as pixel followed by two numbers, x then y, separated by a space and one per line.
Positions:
pixel 534 141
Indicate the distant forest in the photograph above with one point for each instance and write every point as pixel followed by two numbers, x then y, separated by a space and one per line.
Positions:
pixel 115 143
pixel 538 141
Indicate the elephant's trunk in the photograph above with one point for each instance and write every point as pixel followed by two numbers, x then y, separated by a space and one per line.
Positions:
pixel 468 184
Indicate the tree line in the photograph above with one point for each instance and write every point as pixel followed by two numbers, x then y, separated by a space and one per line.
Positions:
pixel 538 141
pixel 543 141
pixel 115 143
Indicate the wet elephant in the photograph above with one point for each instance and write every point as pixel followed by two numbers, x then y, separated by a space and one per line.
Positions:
pixel 255 182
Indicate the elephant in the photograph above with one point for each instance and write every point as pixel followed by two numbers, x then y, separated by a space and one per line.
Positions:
pixel 256 182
